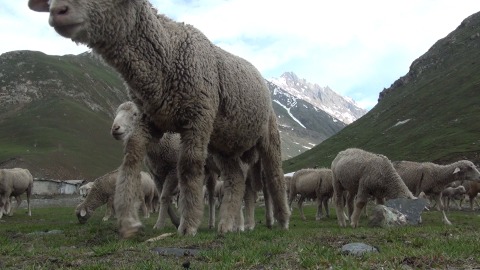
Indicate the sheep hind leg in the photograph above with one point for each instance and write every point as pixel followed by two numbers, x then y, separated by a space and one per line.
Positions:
pixel 167 190
pixel 234 189
pixel 270 152
pixel 359 205
pixel 340 208
pixel 249 200
pixel 268 207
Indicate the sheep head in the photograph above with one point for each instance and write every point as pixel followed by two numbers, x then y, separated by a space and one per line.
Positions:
pixel 83 214
pixel 466 170
pixel 126 120
pixel 86 21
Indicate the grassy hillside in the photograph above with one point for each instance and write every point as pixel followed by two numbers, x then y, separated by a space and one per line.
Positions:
pixel 431 114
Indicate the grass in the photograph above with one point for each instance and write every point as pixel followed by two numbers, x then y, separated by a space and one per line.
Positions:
pixel 306 245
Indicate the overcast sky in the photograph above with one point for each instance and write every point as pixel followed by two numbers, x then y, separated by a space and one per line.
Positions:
pixel 357 48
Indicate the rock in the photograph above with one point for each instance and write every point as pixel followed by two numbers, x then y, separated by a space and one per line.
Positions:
pixel 411 208
pixel 384 216
pixel 357 249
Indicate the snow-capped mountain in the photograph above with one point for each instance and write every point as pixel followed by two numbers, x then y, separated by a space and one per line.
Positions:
pixel 323 98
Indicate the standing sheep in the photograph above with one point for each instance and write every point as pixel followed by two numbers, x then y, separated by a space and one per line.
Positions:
pixel 432 178
pixel 312 184
pixel 472 190
pixel 183 83
pixel 14 182
pixel 103 192
pixel 161 159
pixel 363 174
pixel 452 194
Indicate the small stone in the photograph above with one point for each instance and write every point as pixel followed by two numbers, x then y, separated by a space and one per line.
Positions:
pixel 357 249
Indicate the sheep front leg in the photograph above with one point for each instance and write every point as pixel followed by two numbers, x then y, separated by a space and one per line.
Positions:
pixel 249 200
pixel 128 185
pixel 234 189
pixel 193 153
pixel 439 201
pixel 300 207
pixel 359 205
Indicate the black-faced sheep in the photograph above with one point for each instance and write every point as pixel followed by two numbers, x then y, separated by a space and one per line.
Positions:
pixel 103 192
pixel 432 178
pixel 183 83
pixel 312 184
pixel 14 182
pixel 363 174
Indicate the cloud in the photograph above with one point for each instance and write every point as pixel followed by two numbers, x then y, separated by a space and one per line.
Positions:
pixel 355 47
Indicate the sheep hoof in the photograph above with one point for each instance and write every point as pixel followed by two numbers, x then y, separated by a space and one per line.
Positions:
pixel 127 232
pixel 183 231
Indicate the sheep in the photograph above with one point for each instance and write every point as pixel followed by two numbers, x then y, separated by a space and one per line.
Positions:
pixel 472 190
pixel 161 160
pixel 85 189
pixel 14 182
pixel 103 191
pixel 432 178
pixel 363 174
pixel 452 193
pixel 183 83
pixel 312 184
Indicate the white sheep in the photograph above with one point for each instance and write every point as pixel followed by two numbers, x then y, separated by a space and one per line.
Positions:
pixel 363 174
pixel 183 83
pixel 432 178
pixel 313 184
pixel 103 192
pixel 85 189
pixel 14 182
pixel 453 194
pixel 161 159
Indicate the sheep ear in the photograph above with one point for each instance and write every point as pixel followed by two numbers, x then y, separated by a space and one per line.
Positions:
pixel 39 5
pixel 83 212
pixel 456 170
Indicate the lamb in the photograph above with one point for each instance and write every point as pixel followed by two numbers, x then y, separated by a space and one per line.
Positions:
pixel 432 178
pixel 14 182
pixel 452 193
pixel 183 83
pixel 363 174
pixel 85 189
pixel 103 191
pixel 312 184
pixel 472 190
pixel 161 160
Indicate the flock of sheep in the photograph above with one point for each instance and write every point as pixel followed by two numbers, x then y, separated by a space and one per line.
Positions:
pixel 199 113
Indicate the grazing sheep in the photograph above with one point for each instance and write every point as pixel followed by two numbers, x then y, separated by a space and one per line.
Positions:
pixel 363 174
pixel 161 159
pixel 452 194
pixel 183 83
pixel 472 190
pixel 432 178
pixel 103 192
pixel 85 189
pixel 312 184
pixel 14 182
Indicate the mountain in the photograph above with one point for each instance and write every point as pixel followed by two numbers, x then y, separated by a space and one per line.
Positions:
pixel 307 113
pixel 430 114
pixel 56 113
pixel 323 98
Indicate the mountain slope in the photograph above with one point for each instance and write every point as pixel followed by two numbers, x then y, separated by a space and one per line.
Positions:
pixel 56 113
pixel 430 114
